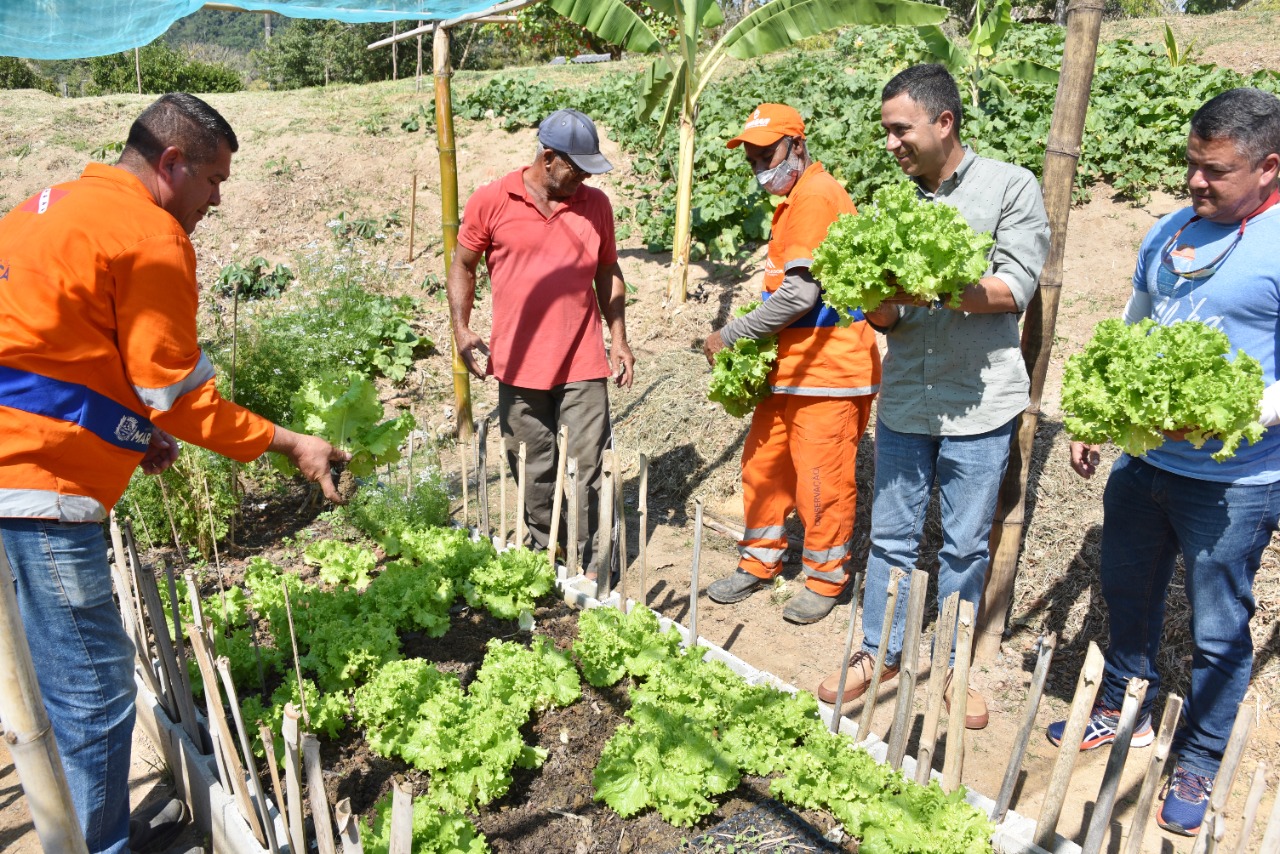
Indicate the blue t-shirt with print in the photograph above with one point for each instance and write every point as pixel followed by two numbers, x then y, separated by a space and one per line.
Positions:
pixel 1242 298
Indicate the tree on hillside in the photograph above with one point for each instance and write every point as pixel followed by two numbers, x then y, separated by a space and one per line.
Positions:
pixel 671 86
pixel 163 70
pixel 317 53
pixel 19 74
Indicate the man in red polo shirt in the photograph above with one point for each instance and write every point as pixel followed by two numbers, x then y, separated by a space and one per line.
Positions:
pixel 548 241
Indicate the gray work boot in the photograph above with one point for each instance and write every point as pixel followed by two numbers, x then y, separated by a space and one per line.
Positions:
pixel 808 607
pixel 156 830
pixel 735 588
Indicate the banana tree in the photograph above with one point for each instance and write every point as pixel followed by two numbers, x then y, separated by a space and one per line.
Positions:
pixel 672 85
pixel 971 60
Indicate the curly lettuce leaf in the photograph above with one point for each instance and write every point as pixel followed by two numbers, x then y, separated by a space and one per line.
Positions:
pixel 740 374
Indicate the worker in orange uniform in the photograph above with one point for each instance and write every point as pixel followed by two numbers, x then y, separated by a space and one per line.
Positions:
pixel 801 451
pixel 99 364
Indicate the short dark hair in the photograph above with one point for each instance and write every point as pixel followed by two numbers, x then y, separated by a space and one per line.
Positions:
pixel 183 121
pixel 931 86
pixel 1248 117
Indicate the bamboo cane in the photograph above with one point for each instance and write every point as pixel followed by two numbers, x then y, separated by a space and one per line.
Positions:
pixel 28 733
pixel 1084 20
pixel 193 596
pixel 269 749
pixel 482 477
pixel 413 211
pixel 502 490
pixel 213 532
pixel 604 551
pixel 293 777
pixel 943 633
pixel 902 713
pixel 124 573
pixel 621 507
pixel 449 209
pixel 520 494
pixel 1081 706
pixel 1226 777
pixel 320 819
pixel 571 472
pixel 230 762
pixel 186 699
pixel 693 575
pixel 1251 805
pixel 1271 839
pixel 401 818
pixel 1147 795
pixel 1105 803
pixel 953 765
pixel 151 608
pixel 348 827
pixel 837 712
pixel 644 529
pixel 1044 656
pixel 168 511
pixel 466 484
pixel 869 704
pixel 255 784
pixel 297 668
pixel 557 500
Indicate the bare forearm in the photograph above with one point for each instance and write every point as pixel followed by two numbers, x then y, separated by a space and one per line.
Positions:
pixel 988 296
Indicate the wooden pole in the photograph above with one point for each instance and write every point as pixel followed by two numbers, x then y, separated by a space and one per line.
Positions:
pixel 316 793
pixel 1084 19
pixel 401 818
pixel 521 455
pixel 693 575
pixel 348 827
pixel 1226 778
pixel 1081 705
pixel 621 507
pixel 837 712
pixel 466 483
pixel 482 476
pixel 1044 657
pixel 293 777
pixel 185 698
pixel 297 667
pixel 943 632
pixel 164 645
pixel 27 732
pixel 644 529
pixel 902 713
pixel 503 469
pixel 1147 795
pixel 604 539
pixel 449 220
pixel 255 783
pixel 413 212
pixel 269 750
pixel 1134 693
pixel 571 472
pixel 953 765
pixel 557 500
pixel 417 83
pixel 137 68
pixel 869 704
pixel 395 56
pixel 1251 804
pixel 1271 839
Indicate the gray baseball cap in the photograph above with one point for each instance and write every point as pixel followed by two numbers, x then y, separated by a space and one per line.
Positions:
pixel 572 133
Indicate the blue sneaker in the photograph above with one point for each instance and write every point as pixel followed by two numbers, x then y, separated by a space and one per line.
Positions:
pixel 1101 730
pixel 1186 797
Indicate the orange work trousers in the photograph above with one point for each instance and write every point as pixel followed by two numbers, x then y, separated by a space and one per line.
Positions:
pixel 801 454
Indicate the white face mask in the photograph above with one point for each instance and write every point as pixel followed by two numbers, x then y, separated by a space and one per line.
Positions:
pixel 779 179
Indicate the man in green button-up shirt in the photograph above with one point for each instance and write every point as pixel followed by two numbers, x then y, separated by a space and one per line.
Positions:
pixel 954 379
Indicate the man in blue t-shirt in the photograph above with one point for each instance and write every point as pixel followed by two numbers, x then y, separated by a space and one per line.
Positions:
pixel 1215 263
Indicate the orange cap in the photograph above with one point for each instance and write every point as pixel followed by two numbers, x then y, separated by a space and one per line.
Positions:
pixel 769 123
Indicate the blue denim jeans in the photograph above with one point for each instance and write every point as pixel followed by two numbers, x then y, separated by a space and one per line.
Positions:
pixel 1221 529
pixel 968 470
pixel 84 664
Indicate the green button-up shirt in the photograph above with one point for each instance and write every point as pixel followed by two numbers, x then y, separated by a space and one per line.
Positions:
pixel 952 373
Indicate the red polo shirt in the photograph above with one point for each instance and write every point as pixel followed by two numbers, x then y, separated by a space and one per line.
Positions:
pixel 546 321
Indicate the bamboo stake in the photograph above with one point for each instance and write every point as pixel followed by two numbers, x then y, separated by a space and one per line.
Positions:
pixel 644 529
pixel 229 763
pixel 213 532
pixel 449 220
pixel 168 511
pixel 1081 706
pixel 837 713
pixel 323 824
pixel 869 704
pixel 255 784
pixel 604 537
pixel 621 507
pixel 902 714
pixel 413 211
pixel 28 733
pixel 1164 739
pixel 401 818
pixel 482 476
pixel 146 530
pixel 466 483
pixel 293 777
pixel 193 596
pixel 1044 656
pixel 953 765
pixel 164 645
pixel 520 493
pixel 574 511
pixel 1105 803
pixel 136 623
pixel 269 748
pixel 1251 805
pixel 693 576
pixel 348 828
pixel 1226 777
pixel 943 632
pixel 557 500
pixel 1271 839
pixel 186 699
pixel 1084 20
pixel 502 490
pixel 297 668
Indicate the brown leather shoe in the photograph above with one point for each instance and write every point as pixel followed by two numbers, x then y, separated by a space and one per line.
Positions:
pixel 975 706
pixel 861 668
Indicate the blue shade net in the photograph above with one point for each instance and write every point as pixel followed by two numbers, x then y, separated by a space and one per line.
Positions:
pixel 70 29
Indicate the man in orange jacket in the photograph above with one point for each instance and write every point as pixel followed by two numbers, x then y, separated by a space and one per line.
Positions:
pixel 801 451
pixel 99 364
